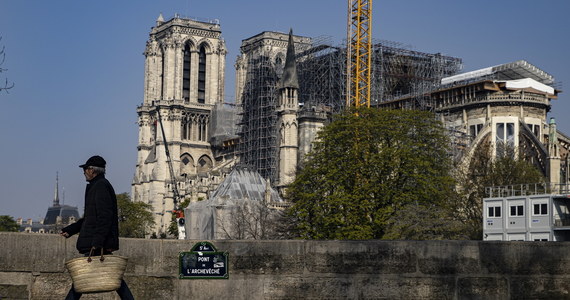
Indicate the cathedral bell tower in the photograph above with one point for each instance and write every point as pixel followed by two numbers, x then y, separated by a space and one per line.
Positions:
pixel 288 105
pixel 183 81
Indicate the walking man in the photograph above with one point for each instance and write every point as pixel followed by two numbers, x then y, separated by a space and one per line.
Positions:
pixel 99 227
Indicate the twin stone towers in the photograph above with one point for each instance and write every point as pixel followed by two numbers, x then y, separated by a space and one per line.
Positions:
pixel 278 110
pixel 184 85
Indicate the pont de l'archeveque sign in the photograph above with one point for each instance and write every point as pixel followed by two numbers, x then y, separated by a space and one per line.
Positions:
pixel 203 262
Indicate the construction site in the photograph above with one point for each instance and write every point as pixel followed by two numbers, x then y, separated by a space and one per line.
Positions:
pixel 397 72
pixel 288 87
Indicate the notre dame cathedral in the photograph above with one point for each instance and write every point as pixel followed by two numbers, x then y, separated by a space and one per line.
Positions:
pixel 287 88
pixel 205 137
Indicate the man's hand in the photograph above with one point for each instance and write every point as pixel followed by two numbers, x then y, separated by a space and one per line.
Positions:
pixel 64 234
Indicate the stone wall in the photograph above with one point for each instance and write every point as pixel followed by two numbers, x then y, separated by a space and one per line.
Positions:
pixel 32 267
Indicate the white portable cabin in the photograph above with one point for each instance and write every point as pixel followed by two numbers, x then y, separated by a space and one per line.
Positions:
pixel 543 217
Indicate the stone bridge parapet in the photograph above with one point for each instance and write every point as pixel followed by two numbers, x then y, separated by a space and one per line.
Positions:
pixel 32 267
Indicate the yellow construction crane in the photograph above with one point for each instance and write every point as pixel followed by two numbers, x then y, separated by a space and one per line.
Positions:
pixel 359 53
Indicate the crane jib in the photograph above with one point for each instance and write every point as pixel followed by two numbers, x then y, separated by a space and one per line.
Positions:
pixel 169 161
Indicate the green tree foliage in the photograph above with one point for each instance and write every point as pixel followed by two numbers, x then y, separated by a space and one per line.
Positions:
pixel 135 218
pixel 425 222
pixel 372 172
pixel 485 171
pixel 7 223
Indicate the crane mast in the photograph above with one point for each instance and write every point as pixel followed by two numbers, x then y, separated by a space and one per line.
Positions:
pixel 359 53
pixel 178 212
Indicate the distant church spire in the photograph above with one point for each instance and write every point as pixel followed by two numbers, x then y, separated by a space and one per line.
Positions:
pixel 56 196
pixel 289 78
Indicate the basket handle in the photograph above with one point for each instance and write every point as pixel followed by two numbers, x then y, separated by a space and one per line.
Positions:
pixel 91 254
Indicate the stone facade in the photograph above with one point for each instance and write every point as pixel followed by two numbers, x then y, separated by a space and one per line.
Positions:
pixel 489 113
pixel 184 81
pixel 311 120
pixel 183 97
pixel 503 106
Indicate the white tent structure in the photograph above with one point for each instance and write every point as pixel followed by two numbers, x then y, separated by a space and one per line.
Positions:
pixel 239 209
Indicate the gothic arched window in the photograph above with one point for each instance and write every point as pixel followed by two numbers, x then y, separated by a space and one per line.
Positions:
pixel 188 126
pixel 204 164
pixel 162 77
pixel 185 132
pixel 186 164
pixel 186 74
pixel 202 75
pixel 203 128
pixel 194 127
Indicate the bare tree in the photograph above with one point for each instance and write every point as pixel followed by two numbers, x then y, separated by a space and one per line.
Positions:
pixel 484 170
pixel 250 220
pixel 6 85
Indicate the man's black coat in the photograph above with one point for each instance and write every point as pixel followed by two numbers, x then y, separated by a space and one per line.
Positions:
pixel 99 226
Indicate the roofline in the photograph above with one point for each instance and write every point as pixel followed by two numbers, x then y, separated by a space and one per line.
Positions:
pixel 522 68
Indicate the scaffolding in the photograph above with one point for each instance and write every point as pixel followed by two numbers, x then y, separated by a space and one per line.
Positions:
pixel 322 75
pixel 397 73
pixel 405 73
pixel 258 126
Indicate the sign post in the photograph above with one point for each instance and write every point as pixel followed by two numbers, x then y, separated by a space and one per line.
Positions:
pixel 203 262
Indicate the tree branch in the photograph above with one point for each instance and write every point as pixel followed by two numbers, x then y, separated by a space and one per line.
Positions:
pixel 7 85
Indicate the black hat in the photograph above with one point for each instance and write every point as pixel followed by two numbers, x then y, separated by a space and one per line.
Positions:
pixel 94 161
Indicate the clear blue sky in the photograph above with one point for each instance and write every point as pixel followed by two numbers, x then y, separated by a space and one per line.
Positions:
pixel 78 69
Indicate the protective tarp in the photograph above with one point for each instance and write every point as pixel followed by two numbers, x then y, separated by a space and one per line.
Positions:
pixel 223 124
pixel 200 220
pixel 244 183
pixel 519 69
pixel 467 76
pixel 529 83
pixel 241 186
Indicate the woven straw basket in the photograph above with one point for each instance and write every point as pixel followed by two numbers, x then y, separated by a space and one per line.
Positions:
pixel 97 275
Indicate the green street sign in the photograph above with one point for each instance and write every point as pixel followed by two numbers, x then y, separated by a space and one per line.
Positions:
pixel 203 262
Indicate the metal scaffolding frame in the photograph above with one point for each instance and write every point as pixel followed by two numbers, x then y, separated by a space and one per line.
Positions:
pixel 401 72
pixel 258 126
pixel 397 72
pixel 322 75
